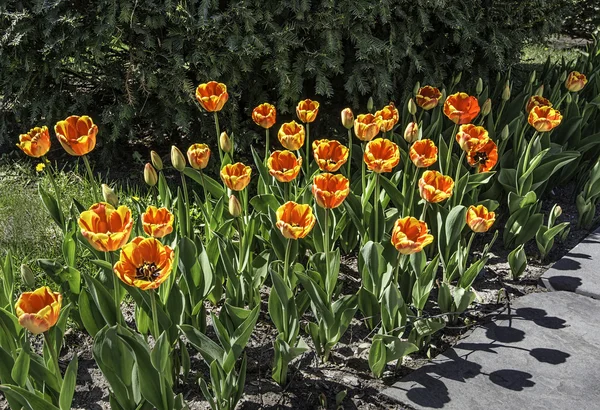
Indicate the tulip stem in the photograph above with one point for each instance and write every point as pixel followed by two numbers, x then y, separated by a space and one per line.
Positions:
pixel 188 230
pixel 50 174
pixel 424 211
pixel 116 293
pixel 156 336
pixel 349 153
pixel 92 179
pixel 499 114
pixel 54 357
pixel 450 146
pixel 414 184
pixel 458 168
pixel 327 249
pixel 267 147
pixel 218 129
pixel 469 247
pixel 286 262
pixel 376 208
pixel 307 145
pixel 206 200
pixel 363 172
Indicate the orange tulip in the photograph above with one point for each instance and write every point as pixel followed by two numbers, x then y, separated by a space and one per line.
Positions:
pixel 470 136
pixel 157 222
pixel 435 187
pixel 575 81
pixel 36 143
pixel 381 155
pixel 480 219
pixel 212 96
pixel 264 115
pixel 291 135
pixel 144 263
pixel 484 156
pixel 77 135
pixel 366 127
pixel 410 235
pixel 330 190
pixel 329 155
pixel 347 118
pixel 198 155
pixel 387 117
pixel 544 119
pixel 307 110
pixel 284 165
pixel 236 176
pixel 295 221
pixel 537 101
pixel 428 97
pixel 461 108
pixel 39 310
pixel 423 153
pixel 106 228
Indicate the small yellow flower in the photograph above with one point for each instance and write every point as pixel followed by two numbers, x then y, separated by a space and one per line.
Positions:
pixel 40 167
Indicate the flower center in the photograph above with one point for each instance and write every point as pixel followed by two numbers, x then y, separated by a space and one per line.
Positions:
pixel 481 157
pixel 148 271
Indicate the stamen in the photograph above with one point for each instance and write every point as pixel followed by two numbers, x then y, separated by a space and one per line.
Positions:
pixel 148 271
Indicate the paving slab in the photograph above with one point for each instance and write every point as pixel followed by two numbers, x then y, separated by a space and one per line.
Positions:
pixel 543 354
pixel 578 271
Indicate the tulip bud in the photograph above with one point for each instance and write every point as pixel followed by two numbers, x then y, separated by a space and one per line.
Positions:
pixel 532 77
pixel 27 276
pixel 109 195
pixel 505 132
pixel 479 87
pixel 498 77
pixel 568 98
pixel 235 208
pixel 557 211
pixel 156 160
pixel 443 97
pixel 225 142
pixel 370 104
pixel 540 90
pixel 411 133
pixel 150 175
pixel 487 107
pixel 347 118
pixel 412 107
pixel 563 77
pixel 177 159
pixel 457 78
pixel 417 88
pixel 506 91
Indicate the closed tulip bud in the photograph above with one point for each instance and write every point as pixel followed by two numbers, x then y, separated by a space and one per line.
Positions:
pixel 416 88
pixel 568 99
pixel 479 87
pixel 443 96
pixel 156 160
pixel 498 77
pixel 27 276
pixel 177 159
pixel 487 107
pixel 109 195
pixel 532 77
pixel 370 104
pixel 347 118
pixel 235 207
pixel 225 142
pixel 557 211
pixel 506 91
pixel 504 134
pixel 150 175
pixel 540 90
pixel 457 79
pixel 563 77
pixel 412 107
pixel 411 133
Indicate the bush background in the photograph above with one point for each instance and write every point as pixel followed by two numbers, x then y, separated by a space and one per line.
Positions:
pixel 134 65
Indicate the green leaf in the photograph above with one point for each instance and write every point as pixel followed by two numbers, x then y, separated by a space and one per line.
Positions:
pixel 68 387
pixel 160 353
pixel 52 206
pixel 20 370
pixel 27 398
pixel 209 350
pixel 262 203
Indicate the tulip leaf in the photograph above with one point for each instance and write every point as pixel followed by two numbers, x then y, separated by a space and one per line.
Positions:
pixel 262 203
pixel 102 298
pixel 27 398
pixel 20 370
pixel 393 192
pixel 212 186
pixel 209 350
pixel 160 353
pixel 68 387
pixel 52 206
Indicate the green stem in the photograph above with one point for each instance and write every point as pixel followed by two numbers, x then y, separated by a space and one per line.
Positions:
pixel 187 207
pixel 376 208
pixel 499 114
pixel 116 293
pixel 218 129
pixel 457 176
pixel 50 174
pixel 413 189
pixel 267 147
pixel 206 200
pixel 156 336
pixel 286 263
pixel 54 357
pixel 349 153
pixel 363 174
pixel 397 269
pixel 92 179
pixel 450 147
pixel 424 211
pixel 307 145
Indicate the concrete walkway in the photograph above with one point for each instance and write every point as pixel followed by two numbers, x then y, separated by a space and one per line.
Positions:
pixel 542 354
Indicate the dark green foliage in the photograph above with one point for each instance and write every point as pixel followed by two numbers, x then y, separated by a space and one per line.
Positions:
pixel 134 65
pixel 583 19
